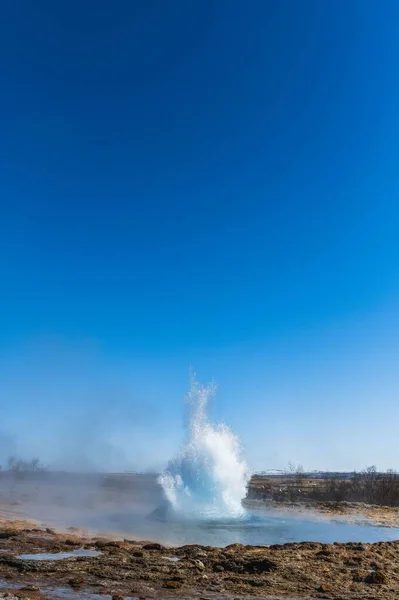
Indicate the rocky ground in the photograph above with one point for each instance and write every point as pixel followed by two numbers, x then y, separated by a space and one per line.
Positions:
pixel 128 568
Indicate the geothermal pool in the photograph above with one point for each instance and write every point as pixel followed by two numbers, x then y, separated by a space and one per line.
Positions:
pixel 262 529
pixel 61 503
pixel 197 500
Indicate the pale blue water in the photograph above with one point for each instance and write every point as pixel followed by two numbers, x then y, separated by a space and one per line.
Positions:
pixel 254 529
pixel 59 555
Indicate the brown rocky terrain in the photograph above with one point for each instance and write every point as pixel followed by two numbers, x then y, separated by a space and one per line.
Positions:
pixel 128 568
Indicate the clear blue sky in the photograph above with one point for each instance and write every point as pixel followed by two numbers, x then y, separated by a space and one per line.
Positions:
pixel 200 183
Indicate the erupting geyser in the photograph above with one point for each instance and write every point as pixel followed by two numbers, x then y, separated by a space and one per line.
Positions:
pixel 208 478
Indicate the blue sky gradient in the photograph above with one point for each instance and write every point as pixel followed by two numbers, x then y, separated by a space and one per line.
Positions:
pixel 206 184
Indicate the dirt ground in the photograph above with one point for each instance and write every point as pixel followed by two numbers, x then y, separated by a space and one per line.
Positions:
pixel 142 569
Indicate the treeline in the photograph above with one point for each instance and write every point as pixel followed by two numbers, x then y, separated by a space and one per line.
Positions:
pixel 369 486
pixel 18 465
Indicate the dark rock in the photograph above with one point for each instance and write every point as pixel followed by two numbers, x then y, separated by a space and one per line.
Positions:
pixel 195 551
pixel 30 588
pixel 172 585
pixel 377 577
pixel 357 577
pixel 255 582
pixel 153 546
pixel 179 578
pixel 247 565
pixel 115 544
pixel 76 581
pixel 11 561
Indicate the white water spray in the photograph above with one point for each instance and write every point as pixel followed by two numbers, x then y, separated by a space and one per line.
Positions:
pixel 208 478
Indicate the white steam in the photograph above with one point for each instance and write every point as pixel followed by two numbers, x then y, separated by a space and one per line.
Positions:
pixel 208 478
